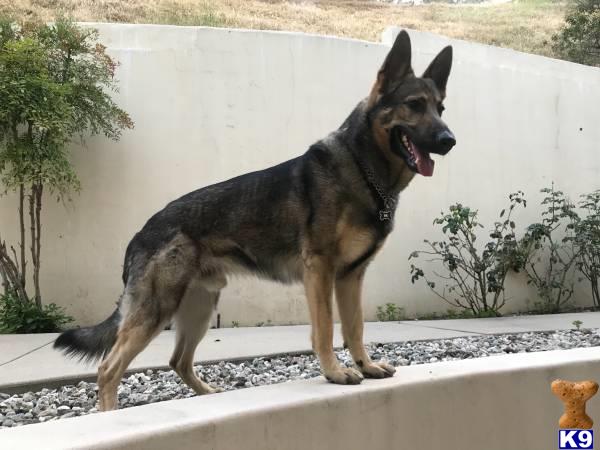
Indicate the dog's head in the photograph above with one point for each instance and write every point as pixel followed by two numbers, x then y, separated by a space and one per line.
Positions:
pixel 405 111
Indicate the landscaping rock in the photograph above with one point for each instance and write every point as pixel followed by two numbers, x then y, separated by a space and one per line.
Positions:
pixel 7 423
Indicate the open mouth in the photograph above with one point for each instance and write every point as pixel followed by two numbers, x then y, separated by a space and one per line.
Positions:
pixel 416 159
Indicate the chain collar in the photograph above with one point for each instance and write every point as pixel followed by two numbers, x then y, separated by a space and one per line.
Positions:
pixel 389 202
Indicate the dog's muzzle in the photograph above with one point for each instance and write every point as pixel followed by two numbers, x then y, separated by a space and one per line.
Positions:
pixel 444 141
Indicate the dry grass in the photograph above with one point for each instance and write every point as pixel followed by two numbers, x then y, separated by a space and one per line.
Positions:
pixel 525 25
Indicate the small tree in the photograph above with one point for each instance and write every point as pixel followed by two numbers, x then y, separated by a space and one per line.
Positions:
pixel 587 242
pixel 551 251
pixel 55 83
pixel 579 39
pixel 473 278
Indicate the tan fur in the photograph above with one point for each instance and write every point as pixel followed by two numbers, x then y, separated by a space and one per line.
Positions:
pixel 191 323
pixel 166 277
pixel 375 91
pixel 352 242
pixel 348 296
pixel 131 340
pixel 318 282
pixel 382 136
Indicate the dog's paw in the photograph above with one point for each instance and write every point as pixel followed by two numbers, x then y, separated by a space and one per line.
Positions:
pixel 344 376
pixel 215 390
pixel 206 389
pixel 377 370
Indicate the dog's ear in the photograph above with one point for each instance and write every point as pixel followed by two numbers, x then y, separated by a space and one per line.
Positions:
pixel 395 69
pixel 439 69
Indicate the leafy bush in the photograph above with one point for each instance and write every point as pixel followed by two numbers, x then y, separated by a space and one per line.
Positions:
pixel 473 277
pixel 579 39
pixel 551 251
pixel 26 317
pixel 55 85
pixel 564 247
pixel 390 312
pixel 587 242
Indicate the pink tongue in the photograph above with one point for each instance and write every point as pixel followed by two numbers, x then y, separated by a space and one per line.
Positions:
pixel 423 161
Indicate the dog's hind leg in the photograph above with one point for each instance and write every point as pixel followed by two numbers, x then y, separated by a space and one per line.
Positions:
pixel 348 297
pixel 132 337
pixel 150 300
pixel 192 320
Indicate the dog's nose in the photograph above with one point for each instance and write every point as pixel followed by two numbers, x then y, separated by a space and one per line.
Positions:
pixel 445 140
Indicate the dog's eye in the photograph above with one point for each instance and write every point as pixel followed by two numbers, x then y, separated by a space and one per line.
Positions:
pixel 417 105
pixel 440 109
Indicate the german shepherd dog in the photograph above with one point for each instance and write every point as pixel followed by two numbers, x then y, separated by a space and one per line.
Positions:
pixel 319 218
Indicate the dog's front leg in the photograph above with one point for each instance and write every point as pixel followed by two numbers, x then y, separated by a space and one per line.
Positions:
pixel 318 283
pixel 348 297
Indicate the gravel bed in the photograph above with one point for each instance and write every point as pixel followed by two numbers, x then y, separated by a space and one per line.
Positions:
pixel 158 385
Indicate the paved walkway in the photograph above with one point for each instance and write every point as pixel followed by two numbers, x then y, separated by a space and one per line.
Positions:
pixel 30 360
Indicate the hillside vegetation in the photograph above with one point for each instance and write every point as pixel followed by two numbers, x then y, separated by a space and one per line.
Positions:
pixel 525 25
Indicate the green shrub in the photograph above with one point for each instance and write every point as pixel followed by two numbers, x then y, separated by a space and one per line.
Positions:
pixel 551 251
pixel 27 317
pixel 579 39
pixel 472 276
pixel 587 242
pixel 390 313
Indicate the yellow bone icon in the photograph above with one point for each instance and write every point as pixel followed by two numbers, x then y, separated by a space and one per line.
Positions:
pixel 574 395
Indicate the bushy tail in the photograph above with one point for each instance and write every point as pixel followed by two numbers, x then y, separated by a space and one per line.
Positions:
pixel 90 343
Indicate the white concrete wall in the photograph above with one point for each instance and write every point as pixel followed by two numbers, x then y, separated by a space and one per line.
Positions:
pixel 494 403
pixel 210 104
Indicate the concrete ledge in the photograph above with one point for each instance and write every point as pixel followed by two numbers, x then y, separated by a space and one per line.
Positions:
pixel 496 403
